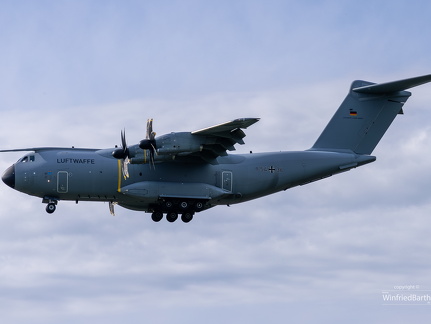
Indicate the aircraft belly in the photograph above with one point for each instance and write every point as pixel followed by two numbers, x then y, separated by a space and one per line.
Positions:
pixel 153 190
pixel 148 187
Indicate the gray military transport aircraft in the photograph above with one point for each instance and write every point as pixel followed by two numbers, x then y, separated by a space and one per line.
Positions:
pixel 188 172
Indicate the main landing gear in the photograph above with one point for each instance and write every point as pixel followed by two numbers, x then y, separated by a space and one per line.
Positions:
pixel 173 208
pixel 172 216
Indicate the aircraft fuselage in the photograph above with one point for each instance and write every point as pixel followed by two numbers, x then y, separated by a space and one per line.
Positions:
pixel 94 175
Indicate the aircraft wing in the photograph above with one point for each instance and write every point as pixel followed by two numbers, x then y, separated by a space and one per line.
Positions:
pixel 40 149
pixel 214 141
pixel 226 129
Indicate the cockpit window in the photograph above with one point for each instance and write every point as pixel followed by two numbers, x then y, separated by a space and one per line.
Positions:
pixel 28 158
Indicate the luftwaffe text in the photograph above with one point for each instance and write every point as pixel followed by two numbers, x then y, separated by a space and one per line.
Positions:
pixel 81 161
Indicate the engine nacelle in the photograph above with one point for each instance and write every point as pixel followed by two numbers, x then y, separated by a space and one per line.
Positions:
pixel 177 150
pixel 175 143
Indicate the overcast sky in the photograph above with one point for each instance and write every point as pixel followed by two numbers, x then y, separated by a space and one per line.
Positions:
pixel 77 72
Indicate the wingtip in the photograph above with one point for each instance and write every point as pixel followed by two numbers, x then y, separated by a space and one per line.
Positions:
pixel 246 121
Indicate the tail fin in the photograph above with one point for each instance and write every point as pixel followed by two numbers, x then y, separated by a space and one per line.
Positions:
pixel 365 115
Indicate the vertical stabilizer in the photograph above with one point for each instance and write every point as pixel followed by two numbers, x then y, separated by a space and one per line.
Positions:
pixel 365 115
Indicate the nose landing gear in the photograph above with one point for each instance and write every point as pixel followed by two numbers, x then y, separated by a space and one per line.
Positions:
pixel 50 208
pixel 52 204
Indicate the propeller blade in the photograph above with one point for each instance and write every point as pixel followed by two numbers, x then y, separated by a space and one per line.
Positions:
pixel 149 143
pixel 111 207
pixel 123 153
pixel 151 134
pixel 124 144
pixel 152 151
pixel 149 128
pixel 123 138
pixel 125 168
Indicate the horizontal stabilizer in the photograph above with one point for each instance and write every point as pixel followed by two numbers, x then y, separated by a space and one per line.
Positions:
pixel 394 86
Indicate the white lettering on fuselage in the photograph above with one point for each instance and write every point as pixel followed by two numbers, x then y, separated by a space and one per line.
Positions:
pixel 81 161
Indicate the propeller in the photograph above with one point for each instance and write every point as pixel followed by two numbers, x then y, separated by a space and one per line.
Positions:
pixel 123 154
pixel 149 143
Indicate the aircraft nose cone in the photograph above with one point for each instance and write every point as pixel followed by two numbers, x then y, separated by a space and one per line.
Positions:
pixel 9 176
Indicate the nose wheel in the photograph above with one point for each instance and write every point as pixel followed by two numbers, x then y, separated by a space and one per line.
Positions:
pixel 50 208
pixel 52 204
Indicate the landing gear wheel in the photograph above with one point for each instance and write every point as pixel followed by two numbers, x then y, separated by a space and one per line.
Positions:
pixel 187 217
pixel 50 208
pixel 184 205
pixel 199 206
pixel 157 216
pixel 168 204
pixel 171 217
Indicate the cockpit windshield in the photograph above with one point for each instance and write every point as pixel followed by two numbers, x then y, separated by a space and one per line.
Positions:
pixel 27 158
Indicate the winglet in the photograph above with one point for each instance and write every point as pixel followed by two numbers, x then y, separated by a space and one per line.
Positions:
pixel 393 86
